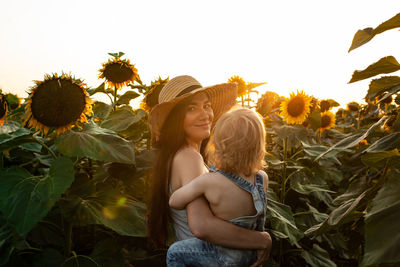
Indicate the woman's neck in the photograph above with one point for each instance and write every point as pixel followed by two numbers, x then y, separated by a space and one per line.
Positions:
pixel 193 144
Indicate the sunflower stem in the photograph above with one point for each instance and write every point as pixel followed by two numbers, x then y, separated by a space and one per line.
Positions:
pixel 318 136
pixel 45 146
pixel 283 189
pixel 68 239
pixel 115 98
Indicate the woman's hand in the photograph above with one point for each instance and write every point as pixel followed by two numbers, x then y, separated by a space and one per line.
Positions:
pixel 263 254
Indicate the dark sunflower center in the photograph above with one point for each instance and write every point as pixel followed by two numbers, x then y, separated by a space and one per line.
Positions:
pixel 118 73
pixel 3 107
pixel 296 106
pixel 325 121
pixel 324 106
pixel 58 102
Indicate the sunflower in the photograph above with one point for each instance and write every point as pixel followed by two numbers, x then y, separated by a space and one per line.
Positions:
pixel 151 97
pixel 266 102
pixel 313 104
pixel 353 107
pixel 118 72
pixel 327 120
pixel 58 102
pixel 3 108
pixel 341 113
pixel 242 86
pixel 324 105
pixel 295 109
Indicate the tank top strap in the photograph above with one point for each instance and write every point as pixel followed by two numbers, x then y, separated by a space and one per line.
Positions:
pixel 238 180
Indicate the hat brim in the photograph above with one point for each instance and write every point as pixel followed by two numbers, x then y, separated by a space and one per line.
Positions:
pixel 222 97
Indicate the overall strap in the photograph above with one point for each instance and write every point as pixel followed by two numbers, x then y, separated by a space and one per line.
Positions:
pixel 238 180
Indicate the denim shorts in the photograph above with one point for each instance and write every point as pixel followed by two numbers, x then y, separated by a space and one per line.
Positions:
pixel 196 252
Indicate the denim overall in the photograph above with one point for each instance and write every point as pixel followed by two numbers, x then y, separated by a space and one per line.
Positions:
pixel 196 252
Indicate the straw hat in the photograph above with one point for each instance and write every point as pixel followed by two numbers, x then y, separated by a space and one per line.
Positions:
pixel 222 97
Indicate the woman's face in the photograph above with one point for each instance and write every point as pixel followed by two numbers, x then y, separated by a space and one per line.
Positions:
pixel 198 118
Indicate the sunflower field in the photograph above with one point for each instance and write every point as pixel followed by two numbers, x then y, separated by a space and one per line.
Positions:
pixel 74 171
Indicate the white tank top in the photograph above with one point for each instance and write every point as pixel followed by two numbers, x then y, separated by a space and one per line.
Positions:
pixel 180 222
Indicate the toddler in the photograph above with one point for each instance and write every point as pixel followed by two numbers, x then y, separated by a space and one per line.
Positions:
pixel 235 190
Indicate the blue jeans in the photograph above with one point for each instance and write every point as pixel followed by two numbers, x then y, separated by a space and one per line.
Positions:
pixel 196 252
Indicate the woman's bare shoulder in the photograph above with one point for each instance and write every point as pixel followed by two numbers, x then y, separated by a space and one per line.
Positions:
pixel 187 165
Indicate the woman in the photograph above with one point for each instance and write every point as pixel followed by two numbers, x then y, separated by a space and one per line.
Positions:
pixel 180 126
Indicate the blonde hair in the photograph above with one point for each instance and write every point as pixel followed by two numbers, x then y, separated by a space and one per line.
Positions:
pixel 238 142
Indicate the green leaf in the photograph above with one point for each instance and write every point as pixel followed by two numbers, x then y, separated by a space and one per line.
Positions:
pixel 385 143
pixel 320 152
pixel 294 133
pixel 100 89
pixel 119 213
pixel 48 258
pixel 108 252
pixel 354 190
pixel 383 84
pixel 25 199
pixel 9 127
pixel 382 227
pixel 96 143
pixel 317 257
pixel 343 214
pixel 281 218
pixel 303 184
pixel 79 261
pixel 122 118
pixel 384 65
pixel 353 139
pixel 364 36
pixel 117 55
pixel 14 139
pixel 6 242
pixel 315 120
pixel 127 97
pixel 101 110
pixel 373 158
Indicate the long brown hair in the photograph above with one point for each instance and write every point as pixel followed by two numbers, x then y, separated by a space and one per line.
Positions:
pixel 172 138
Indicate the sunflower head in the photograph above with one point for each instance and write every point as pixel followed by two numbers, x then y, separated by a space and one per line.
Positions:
pixel 151 97
pixel 327 120
pixel 57 102
pixel 3 108
pixel 242 86
pixel 353 107
pixel 118 72
pixel 266 103
pixel 325 105
pixel 341 113
pixel 313 104
pixel 13 100
pixel 295 109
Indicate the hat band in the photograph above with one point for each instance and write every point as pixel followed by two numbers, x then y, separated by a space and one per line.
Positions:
pixel 189 89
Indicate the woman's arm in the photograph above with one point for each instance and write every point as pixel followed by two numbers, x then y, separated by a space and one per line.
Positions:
pixel 187 193
pixel 203 224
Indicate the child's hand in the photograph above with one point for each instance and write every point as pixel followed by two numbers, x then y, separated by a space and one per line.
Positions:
pixel 263 254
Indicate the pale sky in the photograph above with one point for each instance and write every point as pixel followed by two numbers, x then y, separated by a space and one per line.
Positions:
pixel 288 44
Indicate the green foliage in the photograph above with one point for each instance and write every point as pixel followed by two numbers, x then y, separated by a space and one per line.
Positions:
pixel 26 199
pixel 78 198
pixel 96 143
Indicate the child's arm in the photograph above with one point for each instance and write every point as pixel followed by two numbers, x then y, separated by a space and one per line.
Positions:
pixel 187 193
pixel 265 177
